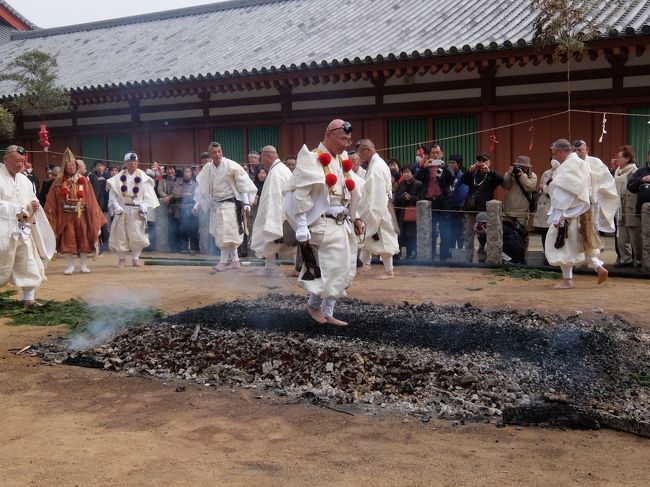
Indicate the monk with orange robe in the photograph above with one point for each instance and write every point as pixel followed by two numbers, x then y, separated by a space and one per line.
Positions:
pixel 74 214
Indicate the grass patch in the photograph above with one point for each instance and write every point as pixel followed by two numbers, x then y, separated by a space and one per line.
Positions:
pixel 74 313
pixel 526 273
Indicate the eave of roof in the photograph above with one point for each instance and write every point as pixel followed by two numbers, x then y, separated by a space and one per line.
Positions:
pixel 450 54
pixel 17 15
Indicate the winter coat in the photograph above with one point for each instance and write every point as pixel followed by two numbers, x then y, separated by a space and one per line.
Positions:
pixel 626 215
pixel 516 204
pixel 640 188
pixel 483 186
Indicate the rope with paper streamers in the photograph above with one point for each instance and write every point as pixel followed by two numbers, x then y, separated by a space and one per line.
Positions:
pixel 452 137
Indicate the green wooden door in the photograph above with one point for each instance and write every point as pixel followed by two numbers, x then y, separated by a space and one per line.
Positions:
pixel 92 149
pixel 638 132
pixel 232 143
pixel 259 137
pixel 118 145
pixel 447 131
pixel 404 135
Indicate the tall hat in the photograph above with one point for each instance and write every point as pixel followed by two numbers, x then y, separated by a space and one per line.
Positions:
pixel 68 156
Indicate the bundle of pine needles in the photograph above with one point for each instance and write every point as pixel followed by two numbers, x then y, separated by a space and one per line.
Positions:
pixel 75 313
pixel 526 273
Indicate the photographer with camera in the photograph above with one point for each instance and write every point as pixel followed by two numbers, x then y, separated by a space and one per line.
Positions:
pixel 520 181
pixel 482 182
pixel 437 179
pixel 519 204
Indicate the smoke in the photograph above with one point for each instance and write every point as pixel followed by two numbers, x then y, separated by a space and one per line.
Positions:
pixel 113 310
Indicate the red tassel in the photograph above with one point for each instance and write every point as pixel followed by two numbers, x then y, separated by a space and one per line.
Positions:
pixel 331 179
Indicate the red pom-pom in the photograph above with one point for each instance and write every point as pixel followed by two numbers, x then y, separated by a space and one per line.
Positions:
pixel 324 158
pixel 81 180
pixel 331 179
pixel 349 183
pixel 80 193
pixel 347 165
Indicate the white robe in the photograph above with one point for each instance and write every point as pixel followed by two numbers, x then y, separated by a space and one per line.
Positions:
pixel 24 251
pixel 128 230
pixel 375 209
pixel 570 192
pixel 270 212
pixel 603 194
pixel 334 245
pixel 217 183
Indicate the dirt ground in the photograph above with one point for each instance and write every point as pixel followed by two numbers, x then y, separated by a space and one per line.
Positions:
pixel 83 427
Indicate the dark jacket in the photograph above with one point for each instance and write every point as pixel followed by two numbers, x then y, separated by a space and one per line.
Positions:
pixel 445 181
pixel 415 188
pixel 481 188
pixel 640 188
pixel 458 192
pixel 45 188
pixel 99 188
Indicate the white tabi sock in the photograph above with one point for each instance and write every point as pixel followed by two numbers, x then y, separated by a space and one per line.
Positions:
pixel 136 254
pixel 314 301
pixel 567 271
pixel 365 257
pixel 70 268
pixel 233 254
pixel 83 266
pixel 328 307
pixel 28 293
pixel 387 259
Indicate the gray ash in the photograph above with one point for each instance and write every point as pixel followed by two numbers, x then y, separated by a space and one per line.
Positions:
pixel 455 362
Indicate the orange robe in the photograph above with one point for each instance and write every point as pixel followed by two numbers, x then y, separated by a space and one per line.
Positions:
pixel 75 215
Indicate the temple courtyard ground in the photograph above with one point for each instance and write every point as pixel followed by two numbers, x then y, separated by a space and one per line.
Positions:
pixel 83 427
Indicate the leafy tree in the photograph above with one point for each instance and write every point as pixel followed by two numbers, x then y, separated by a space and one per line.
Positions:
pixel 7 125
pixel 567 26
pixel 34 73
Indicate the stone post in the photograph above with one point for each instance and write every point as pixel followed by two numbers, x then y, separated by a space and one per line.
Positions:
pixel 645 237
pixel 494 245
pixel 423 248
pixel 162 224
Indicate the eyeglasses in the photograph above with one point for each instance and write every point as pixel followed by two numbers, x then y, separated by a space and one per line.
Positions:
pixel 346 127
pixel 20 150
pixel 215 144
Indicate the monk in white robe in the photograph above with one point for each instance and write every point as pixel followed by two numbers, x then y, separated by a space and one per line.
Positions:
pixel 131 195
pixel 604 197
pixel 222 185
pixel 266 240
pixel 27 241
pixel 571 215
pixel 377 211
pixel 321 203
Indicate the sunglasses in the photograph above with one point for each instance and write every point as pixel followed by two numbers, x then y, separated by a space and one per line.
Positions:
pixel 20 150
pixel 346 127
pixel 215 144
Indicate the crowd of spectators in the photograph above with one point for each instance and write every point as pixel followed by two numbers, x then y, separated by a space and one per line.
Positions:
pixel 458 194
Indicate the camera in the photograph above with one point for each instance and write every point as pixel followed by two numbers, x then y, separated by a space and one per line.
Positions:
pixel 516 169
pixel 439 172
